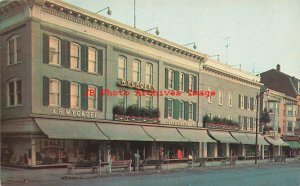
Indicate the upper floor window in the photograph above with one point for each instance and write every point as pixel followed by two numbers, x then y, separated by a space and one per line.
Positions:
pixel 92 98
pixel 14 93
pixel 136 70
pixel 229 99
pixel 290 126
pixel 170 108
pixel 149 74
pixel 75 56
pixel 290 113
pixel 92 60
pixel 220 97
pixel 122 65
pixel 75 95
pixel 181 110
pixel 242 101
pixel 14 50
pixel 181 82
pixel 171 79
pixel 191 82
pixel 54 51
pixel 254 104
pixel 209 97
pixel 190 111
pixel 149 102
pixel 121 101
pixel 245 123
pixel 54 92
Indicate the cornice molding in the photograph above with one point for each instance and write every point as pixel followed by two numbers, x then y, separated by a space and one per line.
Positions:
pixel 220 73
pixel 132 34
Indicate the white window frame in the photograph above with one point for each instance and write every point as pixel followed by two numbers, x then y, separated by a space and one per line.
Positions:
pixel 181 110
pixel 15 93
pixel 230 99
pixel 181 82
pixel 248 103
pixel 254 104
pixel 191 82
pixel 149 73
pixel 242 101
pixel 122 68
pixel 15 51
pixel 76 57
pixel 170 108
pixel 136 70
pixel 58 51
pixel 191 109
pixel 209 98
pixel 149 102
pixel 93 98
pixel 93 61
pixel 72 95
pixel 58 92
pixel 221 97
pixel 171 79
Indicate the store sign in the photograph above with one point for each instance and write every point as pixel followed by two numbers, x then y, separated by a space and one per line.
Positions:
pixel 134 85
pixel 73 113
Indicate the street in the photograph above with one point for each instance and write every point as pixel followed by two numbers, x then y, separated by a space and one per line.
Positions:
pixel 281 175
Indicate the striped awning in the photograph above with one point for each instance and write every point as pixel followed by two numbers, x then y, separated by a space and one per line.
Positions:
pixel 222 136
pixel 276 141
pixel 194 135
pixel 293 144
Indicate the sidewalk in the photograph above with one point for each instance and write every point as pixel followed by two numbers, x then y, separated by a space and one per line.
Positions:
pixel 16 175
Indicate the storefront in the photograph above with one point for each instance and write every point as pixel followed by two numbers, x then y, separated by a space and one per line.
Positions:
pixel 277 144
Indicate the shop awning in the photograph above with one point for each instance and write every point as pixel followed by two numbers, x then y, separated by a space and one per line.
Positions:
pixel 293 144
pixel 260 139
pixel 124 132
pixel 242 138
pixel 276 141
pixel 196 135
pixel 165 134
pixel 223 137
pixel 68 129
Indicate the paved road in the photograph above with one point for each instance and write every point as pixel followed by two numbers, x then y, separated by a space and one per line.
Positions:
pixel 281 175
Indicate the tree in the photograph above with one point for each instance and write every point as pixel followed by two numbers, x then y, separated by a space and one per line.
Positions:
pixel 265 117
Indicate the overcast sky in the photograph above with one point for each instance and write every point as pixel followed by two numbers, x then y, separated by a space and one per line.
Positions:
pixel 262 33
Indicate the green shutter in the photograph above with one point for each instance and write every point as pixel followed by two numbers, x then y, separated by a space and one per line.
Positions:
pixel 186 82
pixel 186 110
pixel 100 62
pixel 84 58
pixel 166 107
pixel 45 48
pixel 100 98
pixel 45 91
pixel 176 109
pixel 84 96
pixel 195 83
pixel 245 102
pixel 166 77
pixel 65 94
pixel 240 101
pixel 194 111
pixel 65 45
pixel 176 80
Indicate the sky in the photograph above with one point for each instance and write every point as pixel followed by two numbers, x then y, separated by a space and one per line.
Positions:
pixel 261 33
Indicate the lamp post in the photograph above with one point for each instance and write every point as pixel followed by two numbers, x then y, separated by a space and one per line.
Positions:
pixel 109 12
pixel 156 32
pixel 256 124
pixel 193 43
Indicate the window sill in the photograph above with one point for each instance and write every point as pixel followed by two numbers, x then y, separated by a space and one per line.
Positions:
pixel 55 65
pixel 93 73
pixel 13 106
pixel 52 105
pixel 13 64
pixel 76 69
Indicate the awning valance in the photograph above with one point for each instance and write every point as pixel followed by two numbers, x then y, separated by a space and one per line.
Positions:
pixel 260 139
pixel 276 141
pixel 242 138
pixel 293 144
pixel 164 134
pixel 68 129
pixel 124 132
pixel 196 135
pixel 223 137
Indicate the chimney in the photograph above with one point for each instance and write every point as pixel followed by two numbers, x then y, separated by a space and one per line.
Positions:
pixel 278 67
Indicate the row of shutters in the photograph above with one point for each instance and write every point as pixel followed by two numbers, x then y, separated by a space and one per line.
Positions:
pixel 65 54
pixel 65 94
pixel 176 80
pixel 176 105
